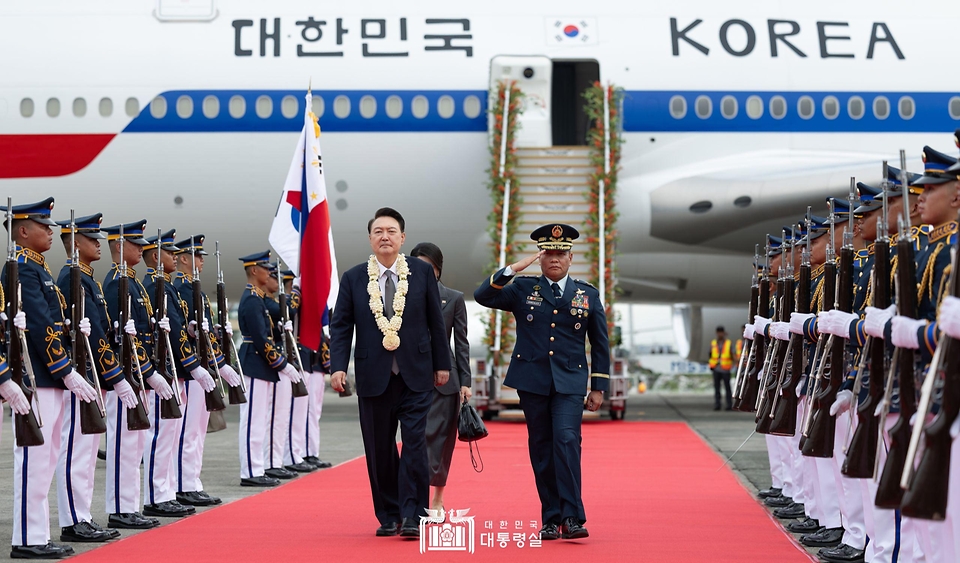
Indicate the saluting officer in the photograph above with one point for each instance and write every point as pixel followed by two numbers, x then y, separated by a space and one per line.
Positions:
pixel 549 370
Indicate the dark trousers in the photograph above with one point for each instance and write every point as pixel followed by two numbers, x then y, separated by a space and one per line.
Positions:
pixel 442 435
pixel 553 430
pixel 400 484
pixel 720 375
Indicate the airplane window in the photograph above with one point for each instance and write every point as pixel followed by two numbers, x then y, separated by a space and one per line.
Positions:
pixel 445 107
pixel 906 107
pixel 704 107
pixel 79 107
pixel 106 107
pixel 53 107
pixel 471 107
pixel 289 107
pixel 264 107
pixel 830 107
pixel 394 107
pixel 317 106
pixel 881 107
pixel 132 107
pixel 778 107
pixel 341 106
pixel 678 107
pixel 420 107
pixel 158 107
pixel 185 107
pixel 754 107
pixel 805 107
pixel 237 107
pixel 368 107
pixel 955 107
pixel 855 107
pixel 728 107
pixel 210 106
pixel 26 107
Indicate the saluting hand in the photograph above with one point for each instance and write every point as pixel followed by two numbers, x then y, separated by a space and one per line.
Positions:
pixel 525 263
pixel 594 401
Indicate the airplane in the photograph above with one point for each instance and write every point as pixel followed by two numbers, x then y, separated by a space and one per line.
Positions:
pixel 735 117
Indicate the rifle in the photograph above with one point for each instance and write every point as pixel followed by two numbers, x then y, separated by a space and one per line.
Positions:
pixel 747 354
pixel 236 395
pixel 137 418
pixel 889 493
pixel 778 358
pixel 749 397
pixel 92 415
pixel 26 426
pixel 822 432
pixel 861 458
pixel 290 348
pixel 214 398
pixel 824 342
pixel 926 488
pixel 162 349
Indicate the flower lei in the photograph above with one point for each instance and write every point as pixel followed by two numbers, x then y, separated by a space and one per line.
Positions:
pixel 389 328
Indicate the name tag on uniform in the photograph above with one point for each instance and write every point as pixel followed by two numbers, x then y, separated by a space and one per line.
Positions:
pixel 48 283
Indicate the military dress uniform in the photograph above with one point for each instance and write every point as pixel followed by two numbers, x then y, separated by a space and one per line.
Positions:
pixel 320 362
pixel 281 400
pixel 549 370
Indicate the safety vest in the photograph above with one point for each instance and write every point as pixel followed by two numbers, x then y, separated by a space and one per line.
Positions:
pixel 723 358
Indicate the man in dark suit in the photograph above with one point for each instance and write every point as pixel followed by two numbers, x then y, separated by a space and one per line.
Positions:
pixel 549 370
pixel 401 354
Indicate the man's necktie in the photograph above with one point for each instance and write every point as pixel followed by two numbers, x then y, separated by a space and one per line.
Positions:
pixel 389 290
pixel 556 291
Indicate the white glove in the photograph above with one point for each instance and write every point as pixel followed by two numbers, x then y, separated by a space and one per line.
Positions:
pixel 876 320
pixel 130 328
pixel 84 326
pixel 76 383
pixel 20 320
pixel 903 332
pixel 126 394
pixel 3 316
pixel 192 329
pixel 780 331
pixel 844 402
pixel 12 394
pixel 228 328
pixel 760 323
pixel 748 332
pixel 160 385
pixel 948 319
pixel 205 326
pixel 290 374
pixel 231 377
pixel 288 326
pixel 836 322
pixel 797 320
pixel 202 376
pixel 164 323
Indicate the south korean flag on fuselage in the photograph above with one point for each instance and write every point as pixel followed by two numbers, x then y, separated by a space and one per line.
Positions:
pixel 572 31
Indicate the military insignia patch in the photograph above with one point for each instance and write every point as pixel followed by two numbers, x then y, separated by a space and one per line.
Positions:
pixel 530 317
pixel 580 301
pixel 576 326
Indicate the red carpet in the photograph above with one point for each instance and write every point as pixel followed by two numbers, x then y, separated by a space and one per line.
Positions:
pixel 651 491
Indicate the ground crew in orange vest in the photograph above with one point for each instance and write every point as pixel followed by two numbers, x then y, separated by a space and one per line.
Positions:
pixel 721 362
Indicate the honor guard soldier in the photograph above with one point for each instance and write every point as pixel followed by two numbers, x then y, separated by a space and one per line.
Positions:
pixel 124 446
pixel 198 381
pixel 78 459
pixel 264 368
pixel 163 436
pixel 554 315
pixel 282 397
pixel 316 386
pixel 55 379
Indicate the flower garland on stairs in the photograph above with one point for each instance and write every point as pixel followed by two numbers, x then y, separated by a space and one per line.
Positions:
pixel 595 140
pixel 497 186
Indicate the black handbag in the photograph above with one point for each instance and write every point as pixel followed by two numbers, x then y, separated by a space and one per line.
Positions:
pixel 471 428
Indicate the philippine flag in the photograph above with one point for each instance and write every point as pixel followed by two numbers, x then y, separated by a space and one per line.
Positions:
pixel 301 233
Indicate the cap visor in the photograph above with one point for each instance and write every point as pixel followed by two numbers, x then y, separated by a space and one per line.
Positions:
pixel 45 221
pixel 93 234
pixel 932 180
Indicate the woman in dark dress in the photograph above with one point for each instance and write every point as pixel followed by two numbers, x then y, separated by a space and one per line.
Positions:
pixel 445 410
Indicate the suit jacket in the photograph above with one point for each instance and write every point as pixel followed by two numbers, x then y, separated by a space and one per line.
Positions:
pixel 455 321
pixel 551 333
pixel 423 348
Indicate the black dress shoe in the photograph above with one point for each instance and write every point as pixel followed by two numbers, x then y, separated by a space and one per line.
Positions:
pixel 827 537
pixel 771 492
pixel 197 498
pixel 259 481
pixel 301 467
pixel 778 502
pixel 795 510
pixel 83 532
pixel 170 509
pixel 843 553
pixel 97 527
pixel 410 528
pixel 132 521
pixel 49 551
pixel 279 473
pixel 317 462
pixel 549 532
pixel 389 529
pixel 804 526
pixel 573 529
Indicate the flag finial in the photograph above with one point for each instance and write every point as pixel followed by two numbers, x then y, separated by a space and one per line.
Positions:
pixel 310 85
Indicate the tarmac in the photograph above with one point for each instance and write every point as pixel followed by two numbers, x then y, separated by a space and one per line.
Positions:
pixel 340 441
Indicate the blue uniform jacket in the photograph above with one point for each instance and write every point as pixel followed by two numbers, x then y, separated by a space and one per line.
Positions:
pixel 551 335
pixel 184 285
pixel 259 355
pixel 95 309
pixel 184 353
pixel 140 311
